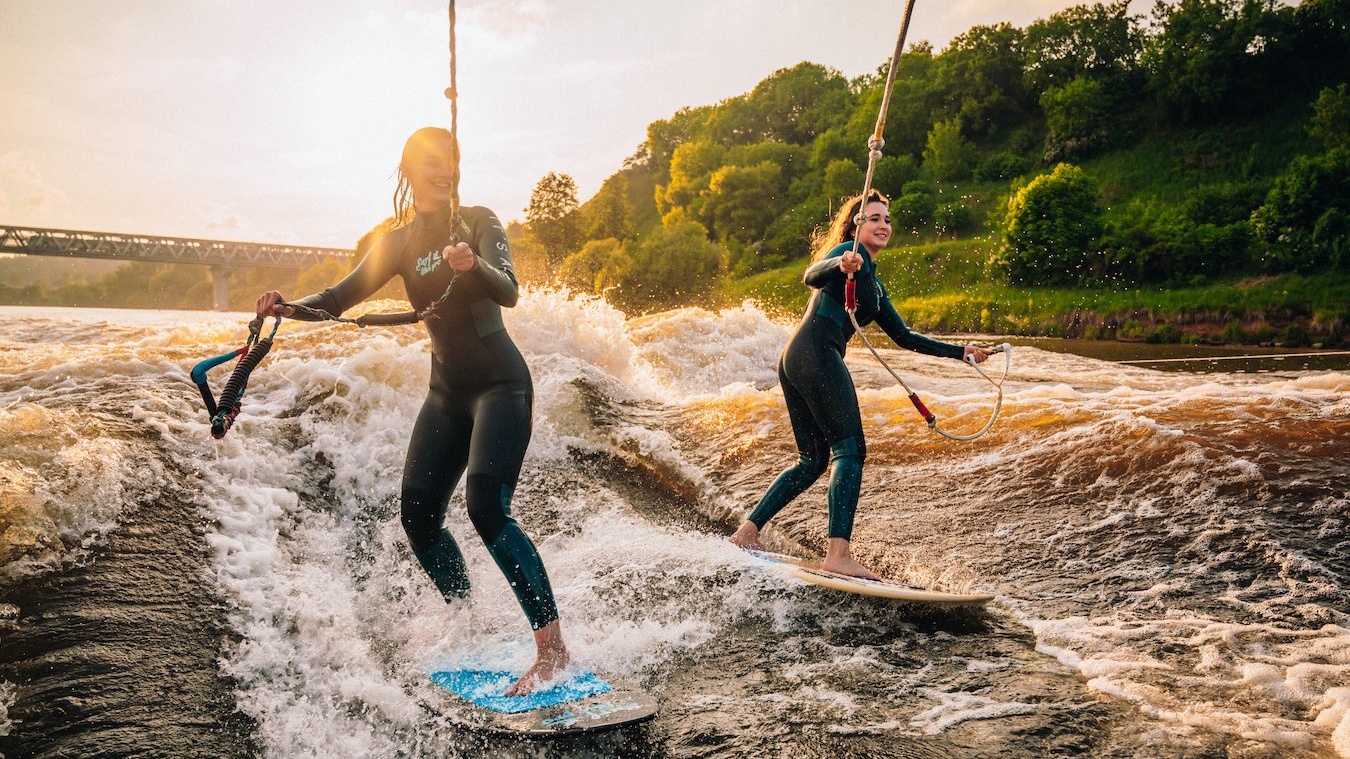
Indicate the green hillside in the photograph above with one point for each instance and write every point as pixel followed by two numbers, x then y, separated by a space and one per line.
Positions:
pixel 1212 134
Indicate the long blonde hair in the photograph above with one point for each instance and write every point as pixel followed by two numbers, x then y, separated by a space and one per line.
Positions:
pixel 845 224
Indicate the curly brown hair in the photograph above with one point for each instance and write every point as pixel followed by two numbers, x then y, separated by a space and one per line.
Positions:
pixel 845 224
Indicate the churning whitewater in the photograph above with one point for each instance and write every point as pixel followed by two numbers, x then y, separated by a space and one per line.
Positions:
pixel 1168 549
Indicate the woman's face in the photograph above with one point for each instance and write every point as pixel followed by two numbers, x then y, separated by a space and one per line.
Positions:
pixel 875 231
pixel 431 171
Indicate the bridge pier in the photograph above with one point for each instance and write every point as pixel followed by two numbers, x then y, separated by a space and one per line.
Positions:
pixel 220 289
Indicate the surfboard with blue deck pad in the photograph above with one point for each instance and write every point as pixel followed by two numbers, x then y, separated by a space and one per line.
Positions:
pixel 584 703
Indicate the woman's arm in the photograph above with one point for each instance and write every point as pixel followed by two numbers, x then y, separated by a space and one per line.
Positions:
pixel 493 269
pixel 895 328
pixel 378 267
pixel 837 264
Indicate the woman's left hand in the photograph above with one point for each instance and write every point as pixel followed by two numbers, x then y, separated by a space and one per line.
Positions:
pixel 979 353
pixel 460 256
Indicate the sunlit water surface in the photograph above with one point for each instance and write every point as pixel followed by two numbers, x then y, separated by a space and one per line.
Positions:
pixel 1168 549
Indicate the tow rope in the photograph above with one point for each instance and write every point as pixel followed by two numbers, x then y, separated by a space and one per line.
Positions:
pixel 874 145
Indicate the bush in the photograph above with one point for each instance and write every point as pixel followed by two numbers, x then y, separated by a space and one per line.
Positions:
pixel 913 212
pixel 1005 166
pixel 1164 333
pixel 1301 227
pixel 1051 227
pixel 951 218
pixel 1295 336
pixel 599 265
pixel 1234 334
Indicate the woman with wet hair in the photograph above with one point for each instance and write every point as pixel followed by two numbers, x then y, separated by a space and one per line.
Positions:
pixel 821 400
pixel 476 420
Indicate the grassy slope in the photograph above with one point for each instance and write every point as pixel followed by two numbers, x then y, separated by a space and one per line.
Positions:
pixel 950 286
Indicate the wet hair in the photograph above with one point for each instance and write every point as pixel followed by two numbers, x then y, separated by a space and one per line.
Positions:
pixel 414 149
pixel 845 223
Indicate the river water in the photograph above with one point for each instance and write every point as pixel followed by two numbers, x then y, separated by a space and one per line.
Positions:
pixel 1168 549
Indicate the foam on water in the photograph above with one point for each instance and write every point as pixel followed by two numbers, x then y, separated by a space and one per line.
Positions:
pixel 1154 563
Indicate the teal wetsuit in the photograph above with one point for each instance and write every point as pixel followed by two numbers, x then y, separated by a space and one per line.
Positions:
pixel 476 418
pixel 821 400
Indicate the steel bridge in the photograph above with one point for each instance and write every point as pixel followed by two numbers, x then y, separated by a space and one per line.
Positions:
pixel 218 255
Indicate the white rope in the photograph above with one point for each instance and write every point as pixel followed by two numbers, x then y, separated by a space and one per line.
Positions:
pixel 1246 357
pixel 1005 349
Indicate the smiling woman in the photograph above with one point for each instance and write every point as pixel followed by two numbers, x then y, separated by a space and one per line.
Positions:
pixel 818 388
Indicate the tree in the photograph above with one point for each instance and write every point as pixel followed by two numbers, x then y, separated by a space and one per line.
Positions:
pixel 1305 222
pixel 1078 116
pixel 843 179
pixel 893 173
pixel 553 217
pixel 1331 117
pixel 609 214
pixel 663 137
pixel 980 78
pixel 1206 60
pixel 791 105
pixel 947 157
pixel 741 200
pixel 671 265
pixel 916 102
pixel 1051 227
pixel 1100 42
pixel 598 266
pixel 691 168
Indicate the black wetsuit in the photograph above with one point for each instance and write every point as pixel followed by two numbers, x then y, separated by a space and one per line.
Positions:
pixel 821 400
pixel 477 415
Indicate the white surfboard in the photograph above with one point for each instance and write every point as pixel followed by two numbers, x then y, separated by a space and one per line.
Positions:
pixel 808 570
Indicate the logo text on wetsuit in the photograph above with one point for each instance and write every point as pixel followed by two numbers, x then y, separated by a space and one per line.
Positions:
pixel 429 263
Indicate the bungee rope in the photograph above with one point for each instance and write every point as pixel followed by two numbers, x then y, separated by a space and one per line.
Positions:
pixel 874 145
pixel 254 350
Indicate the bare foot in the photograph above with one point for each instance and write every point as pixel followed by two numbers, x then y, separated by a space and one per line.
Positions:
pixel 551 658
pixel 746 536
pixel 839 559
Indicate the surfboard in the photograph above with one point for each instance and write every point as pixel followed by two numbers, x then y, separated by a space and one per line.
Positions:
pixel 584 703
pixel 808 570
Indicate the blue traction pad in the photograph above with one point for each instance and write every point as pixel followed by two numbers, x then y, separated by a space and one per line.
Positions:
pixel 486 688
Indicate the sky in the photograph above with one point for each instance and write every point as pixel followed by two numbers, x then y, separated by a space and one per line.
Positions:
pixel 281 121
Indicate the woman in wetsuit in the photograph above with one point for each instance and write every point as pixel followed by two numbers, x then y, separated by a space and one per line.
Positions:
pixel 476 419
pixel 821 400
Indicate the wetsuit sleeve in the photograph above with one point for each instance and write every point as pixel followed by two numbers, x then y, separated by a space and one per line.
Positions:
pixel 895 328
pixel 368 276
pixel 494 271
pixel 826 270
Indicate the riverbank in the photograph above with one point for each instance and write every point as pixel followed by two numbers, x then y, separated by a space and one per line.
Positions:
pixel 954 286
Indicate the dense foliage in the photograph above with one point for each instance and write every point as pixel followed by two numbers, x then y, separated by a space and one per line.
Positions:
pixel 1024 136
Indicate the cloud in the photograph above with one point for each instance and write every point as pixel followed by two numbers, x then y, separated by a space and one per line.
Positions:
pixel 25 197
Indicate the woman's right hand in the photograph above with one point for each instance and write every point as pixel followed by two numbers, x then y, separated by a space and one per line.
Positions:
pixel 850 262
pixel 271 303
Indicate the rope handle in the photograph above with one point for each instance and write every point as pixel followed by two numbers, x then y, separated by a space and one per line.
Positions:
pixel 253 351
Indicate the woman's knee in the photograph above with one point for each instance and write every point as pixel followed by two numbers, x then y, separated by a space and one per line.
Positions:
pixel 489 504
pixel 421 516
